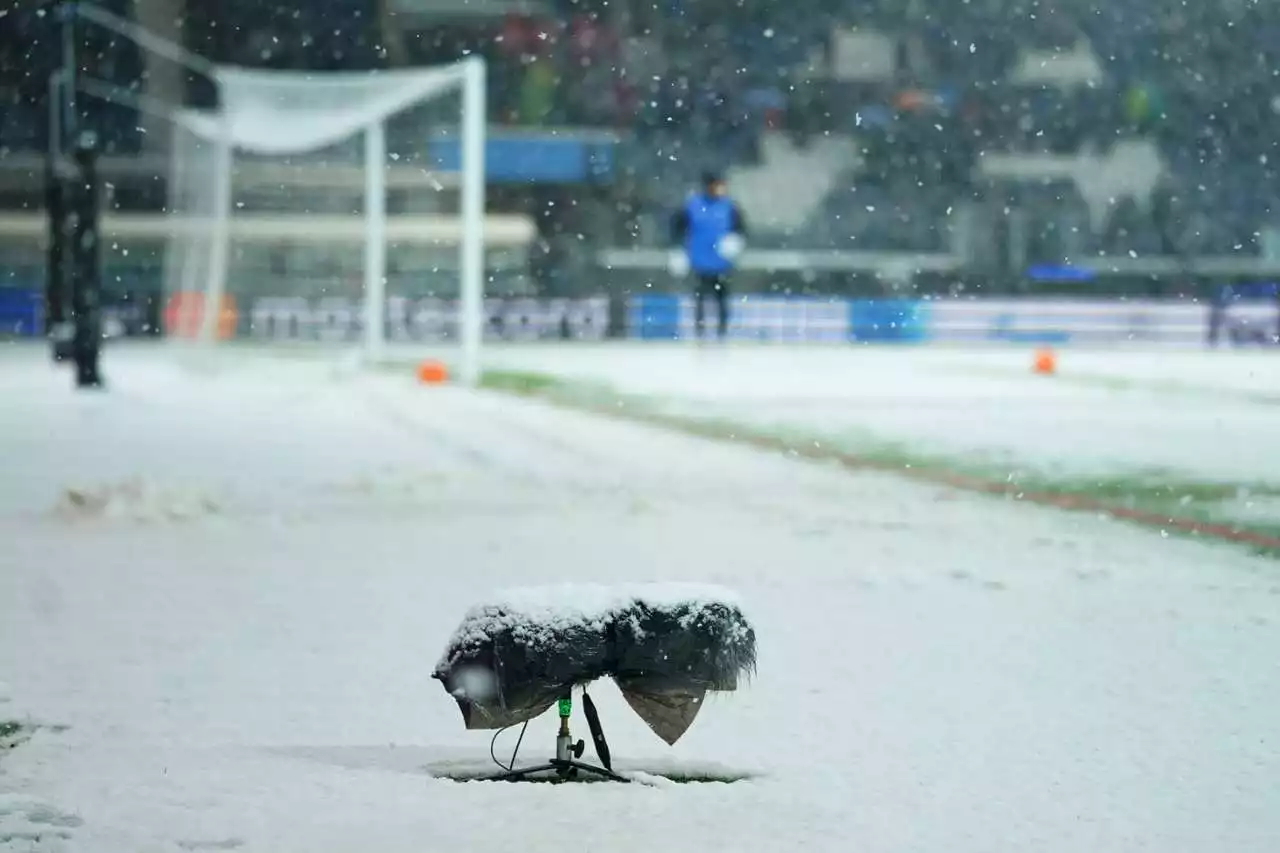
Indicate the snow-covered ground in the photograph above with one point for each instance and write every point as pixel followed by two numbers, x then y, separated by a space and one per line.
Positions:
pixel 221 596
pixel 1208 415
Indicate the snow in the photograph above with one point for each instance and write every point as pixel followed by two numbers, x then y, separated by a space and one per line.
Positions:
pixel 937 671
pixel 1197 414
pixel 1250 510
pixel 547 611
pixel 593 600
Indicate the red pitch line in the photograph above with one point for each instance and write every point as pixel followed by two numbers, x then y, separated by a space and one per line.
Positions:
pixel 1076 503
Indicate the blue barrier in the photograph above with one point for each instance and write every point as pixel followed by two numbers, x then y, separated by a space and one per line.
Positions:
pixel 1012 321
pixel 21 312
pixel 665 316
pixel 562 158
pixel 882 321
pixel 1241 291
pixel 654 317
pixel 1005 328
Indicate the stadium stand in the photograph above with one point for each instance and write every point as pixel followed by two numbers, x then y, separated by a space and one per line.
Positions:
pixel 1012 131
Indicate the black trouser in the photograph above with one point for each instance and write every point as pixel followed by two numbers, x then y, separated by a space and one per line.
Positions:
pixel 715 285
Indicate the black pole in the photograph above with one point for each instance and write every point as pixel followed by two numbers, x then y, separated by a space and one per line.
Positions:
pixel 59 175
pixel 86 264
pixel 55 289
pixel 75 269
pixel 67 14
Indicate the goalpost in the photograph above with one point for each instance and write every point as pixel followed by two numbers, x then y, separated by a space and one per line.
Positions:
pixel 286 186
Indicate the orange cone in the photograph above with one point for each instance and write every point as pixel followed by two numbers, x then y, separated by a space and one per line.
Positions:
pixel 432 372
pixel 1045 362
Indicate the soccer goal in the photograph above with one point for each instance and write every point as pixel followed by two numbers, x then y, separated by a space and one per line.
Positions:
pixel 331 208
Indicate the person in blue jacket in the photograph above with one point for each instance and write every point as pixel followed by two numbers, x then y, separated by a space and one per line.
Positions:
pixel 709 232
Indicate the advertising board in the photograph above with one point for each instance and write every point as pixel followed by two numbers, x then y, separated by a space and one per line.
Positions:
pixel 21 312
pixel 888 321
pixel 778 319
pixel 1246 314
pixel 1064 321
pixel 340 319
pixel 1028 321
pixel 22 315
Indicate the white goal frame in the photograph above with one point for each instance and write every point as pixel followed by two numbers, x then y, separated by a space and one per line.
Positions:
pixel 468 75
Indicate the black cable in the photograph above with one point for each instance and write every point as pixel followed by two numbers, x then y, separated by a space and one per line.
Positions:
pixel 519 741
pixel 492 742
pixel 514 752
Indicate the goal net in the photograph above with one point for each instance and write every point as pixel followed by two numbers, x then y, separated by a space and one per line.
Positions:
pixel 338 208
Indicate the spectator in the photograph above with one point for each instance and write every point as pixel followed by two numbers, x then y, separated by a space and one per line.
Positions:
pixel 538 91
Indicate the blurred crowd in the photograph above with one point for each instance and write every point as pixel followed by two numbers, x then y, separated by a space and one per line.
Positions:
pixel 927 91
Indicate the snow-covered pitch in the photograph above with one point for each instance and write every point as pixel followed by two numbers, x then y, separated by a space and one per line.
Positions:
pixel 222 595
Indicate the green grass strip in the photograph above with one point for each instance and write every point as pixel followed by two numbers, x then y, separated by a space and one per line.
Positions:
pixel 1167 387
pixel 1155 498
